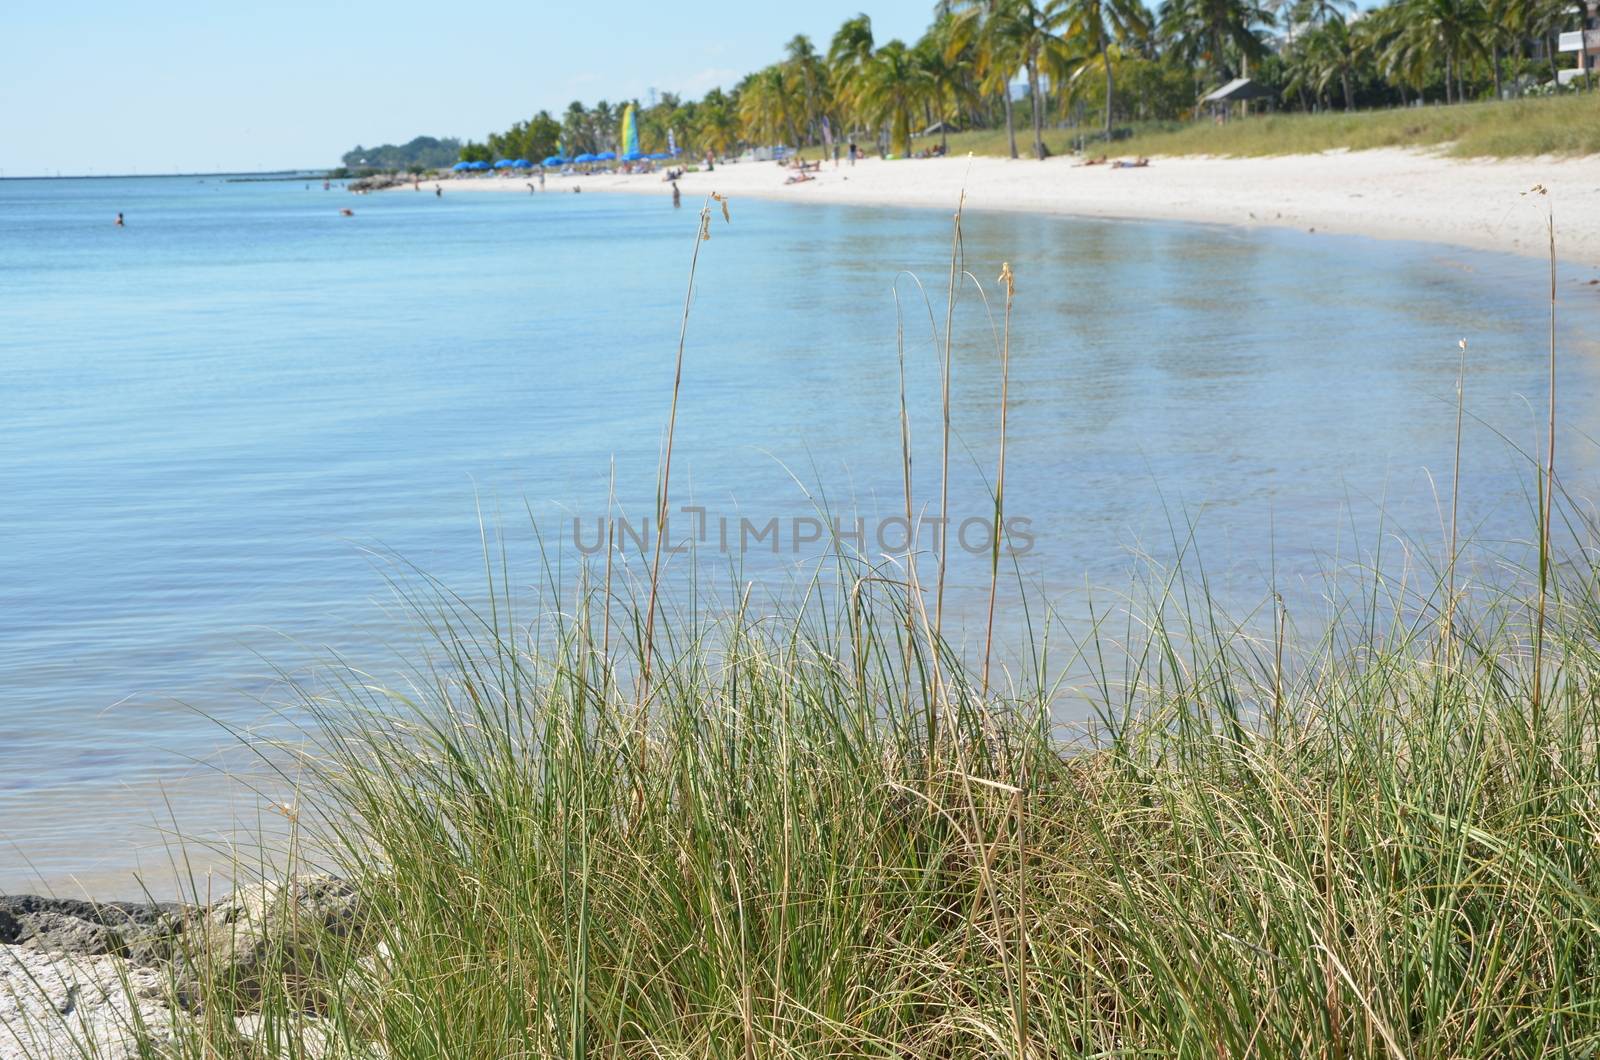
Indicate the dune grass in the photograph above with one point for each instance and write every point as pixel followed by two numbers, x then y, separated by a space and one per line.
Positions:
pixel 818 830
pixel 1566 125
pixel 1359 848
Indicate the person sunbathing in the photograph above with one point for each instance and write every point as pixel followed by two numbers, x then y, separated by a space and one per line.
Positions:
pixel 799 178
pixel 1093 161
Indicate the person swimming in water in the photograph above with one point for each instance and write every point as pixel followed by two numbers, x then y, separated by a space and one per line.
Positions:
pixel 677 196
pixel 119 220
pixel 438 191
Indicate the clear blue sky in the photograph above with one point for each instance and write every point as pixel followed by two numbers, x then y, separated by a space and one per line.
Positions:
pixel 117 86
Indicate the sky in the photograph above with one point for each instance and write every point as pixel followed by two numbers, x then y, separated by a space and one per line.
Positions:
pixel 161 86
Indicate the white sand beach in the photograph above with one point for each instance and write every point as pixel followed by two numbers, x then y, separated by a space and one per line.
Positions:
pixel 1398 194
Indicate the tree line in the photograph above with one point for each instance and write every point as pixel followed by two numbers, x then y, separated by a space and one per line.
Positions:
pixel 1093 64
pixel 421 153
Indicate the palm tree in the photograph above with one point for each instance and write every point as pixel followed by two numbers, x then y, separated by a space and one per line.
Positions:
pixel 1540 20
pixel 1330 52
pixel 575 129
pixel 1321 12
pixel 1028 26
pixel 1583 41
pixel 603 121
pixel 768 102
pixel 717 122
pixel 1210 32
pixel 949 90
pixel 1090 26
pixel 980 26
pixel 811 73
pixel 1448 30
pixel 848 53
pixel 891 87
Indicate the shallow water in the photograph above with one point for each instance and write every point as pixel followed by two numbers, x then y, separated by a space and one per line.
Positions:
pixel 219 421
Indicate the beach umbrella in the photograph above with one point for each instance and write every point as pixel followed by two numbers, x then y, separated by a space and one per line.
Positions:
pixel 606 156
pixel 504 163
pixel 585 157
pixel 632 156
pixel 555 160
pixel 459 166
pixel 521 163
pixel 480 166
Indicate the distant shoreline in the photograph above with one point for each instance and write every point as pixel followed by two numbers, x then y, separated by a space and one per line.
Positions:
pixel 1385 194
pixel 262 175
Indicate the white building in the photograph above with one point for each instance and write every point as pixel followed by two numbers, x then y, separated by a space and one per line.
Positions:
pixel 1585 42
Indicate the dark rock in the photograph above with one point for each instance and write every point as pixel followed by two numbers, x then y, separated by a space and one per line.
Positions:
pixel 138 931
pixel 112 914
pixel 278 932
pixel 60 933
pixel 10 928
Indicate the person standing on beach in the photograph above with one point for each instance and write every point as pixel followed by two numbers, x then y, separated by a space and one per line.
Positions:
pixel 853 152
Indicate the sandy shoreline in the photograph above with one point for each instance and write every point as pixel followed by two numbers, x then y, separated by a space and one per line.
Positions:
pixel 1395 194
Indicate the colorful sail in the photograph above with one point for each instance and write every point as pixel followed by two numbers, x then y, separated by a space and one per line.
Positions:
pixel 630 132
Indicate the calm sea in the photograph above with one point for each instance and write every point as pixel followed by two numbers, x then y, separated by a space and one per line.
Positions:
pixel 224 425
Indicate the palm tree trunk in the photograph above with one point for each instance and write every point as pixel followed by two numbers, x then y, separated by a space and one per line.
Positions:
pixel 794 133
pixel 1037 107
pixel 1111 85
pixel 1349 97
pixel 1583 41
pixel 1447 81
pixel 1497 70
pixel 1011 125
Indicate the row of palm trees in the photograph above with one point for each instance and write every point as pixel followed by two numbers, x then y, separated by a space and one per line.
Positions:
pixel 1411 44
pixel 961 71
pixel 1073 54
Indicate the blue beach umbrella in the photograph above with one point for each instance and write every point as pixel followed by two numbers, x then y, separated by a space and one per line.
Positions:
pixel 606 156
pixel 585 157
pixel 555 160
pixel 504 163
pixel 480 166
pixel 521 163
pixel 632 156
pixel 459 166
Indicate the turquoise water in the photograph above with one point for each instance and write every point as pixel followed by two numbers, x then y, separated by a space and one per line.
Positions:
pixel 220 420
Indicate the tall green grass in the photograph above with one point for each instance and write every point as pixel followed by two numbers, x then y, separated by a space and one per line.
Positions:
pixel 817 831
pixel 1566 125
pixel 1360 847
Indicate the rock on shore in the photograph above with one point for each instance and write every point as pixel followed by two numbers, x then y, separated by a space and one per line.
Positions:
pixel 77 974
pixel 65 1005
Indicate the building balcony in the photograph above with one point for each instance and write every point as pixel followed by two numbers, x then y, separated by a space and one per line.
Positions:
pixel 1574 41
